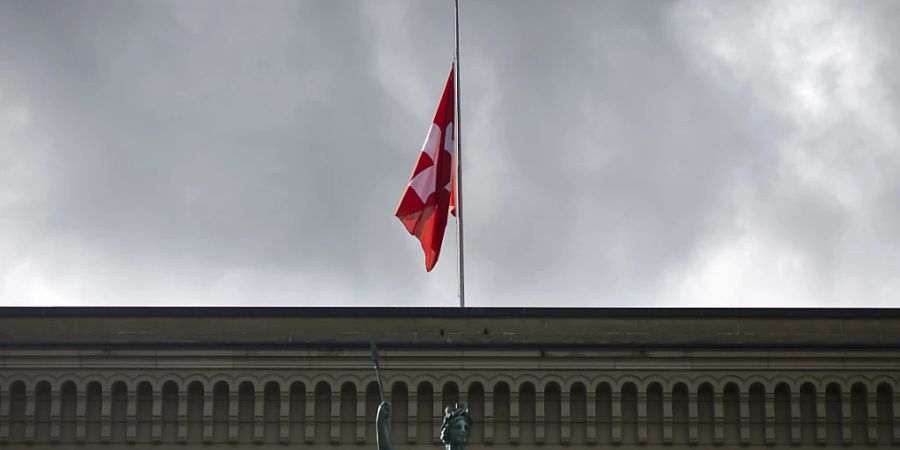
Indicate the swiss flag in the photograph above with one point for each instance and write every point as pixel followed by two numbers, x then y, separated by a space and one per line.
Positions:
pixel 431 190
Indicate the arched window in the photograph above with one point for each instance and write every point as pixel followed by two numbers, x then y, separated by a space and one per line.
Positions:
pixel 271 412
pixel 501 413
pixel 450 395
pixel 195 412
pixel 221 402
pixel 731 402
pixel 808 414
pixel 42 412
pixel 526 413
pixel 782 414
pixel 578 413
pixel 348 412
pixel 757 414
pixel 604 413
pixel 92 410
pixel 705 414
pixel 475 404
pixel 552 412
pixel 119 412
pixel 859 416
pixel 680 413
pixel 169 411
pixel 144 411
pixel 246 411
pixel 399 413
pixel 629 413
pixel 17 411
pixel 424 406
pixel 654 413
pixel 297 411
pixel 323 412
pixel 834 429
pixel 884 404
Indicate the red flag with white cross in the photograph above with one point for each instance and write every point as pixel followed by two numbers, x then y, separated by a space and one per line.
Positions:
pixel 430 193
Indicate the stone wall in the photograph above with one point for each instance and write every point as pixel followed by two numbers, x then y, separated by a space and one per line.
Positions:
pixel 565 388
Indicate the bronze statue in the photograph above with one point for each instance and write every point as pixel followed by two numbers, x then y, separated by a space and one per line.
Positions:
pixel 455 428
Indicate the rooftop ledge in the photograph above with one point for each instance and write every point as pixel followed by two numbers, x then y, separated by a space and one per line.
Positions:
pixel 526 312
pixel 450 329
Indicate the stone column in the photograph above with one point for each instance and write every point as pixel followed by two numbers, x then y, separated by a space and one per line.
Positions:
pixel 182 415
pixel 80 414
pixel 335 425
pixel 130 415
pixel 718 417
pixel 488 414
pixel 4 414
pixel 872 416
pixel 259 411
pixel 30 404
pixel 539 415
pixel 310 422
pixel 284 415
pixel 896 402
pixel 412 415
pixel 156 428
pixel 846 415
pixel 106 414
pixel 591 416
pixel 693 416
pixel 796 418
pixel 615 429
pixel 55 398
pixel 565 417
pixel 360 432
pixel 668 416
pixel 234 407
pixel 641 395
pixel 437 414
pixel 821 416
pixel 744 426
pixel 770 416
pixel 514 424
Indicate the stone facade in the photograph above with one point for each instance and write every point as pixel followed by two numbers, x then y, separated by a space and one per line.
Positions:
pixel 266 378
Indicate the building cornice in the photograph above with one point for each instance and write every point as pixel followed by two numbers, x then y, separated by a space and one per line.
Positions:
pixel 495 329
pixel 353 311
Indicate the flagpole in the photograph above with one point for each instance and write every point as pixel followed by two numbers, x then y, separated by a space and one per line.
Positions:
pixel 459 186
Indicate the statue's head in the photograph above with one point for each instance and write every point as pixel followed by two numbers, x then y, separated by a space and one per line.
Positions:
pixel 456 426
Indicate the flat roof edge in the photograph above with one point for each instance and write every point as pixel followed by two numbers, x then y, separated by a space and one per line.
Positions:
pixel 454 347
pixel 579 312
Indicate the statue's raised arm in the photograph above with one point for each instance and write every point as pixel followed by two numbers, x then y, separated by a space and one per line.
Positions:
pixel 383 427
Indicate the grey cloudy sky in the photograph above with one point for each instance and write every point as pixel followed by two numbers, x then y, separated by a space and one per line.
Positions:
pixel 696 153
